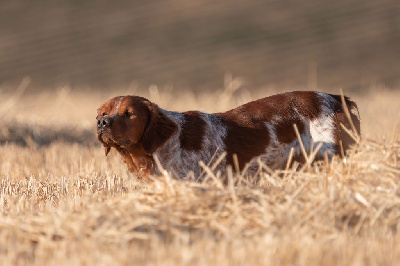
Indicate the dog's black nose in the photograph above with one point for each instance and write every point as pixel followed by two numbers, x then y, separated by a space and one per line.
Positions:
pixel 104 122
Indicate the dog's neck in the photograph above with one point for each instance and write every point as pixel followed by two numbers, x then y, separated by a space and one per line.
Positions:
pixel 137 160
pixel 142 163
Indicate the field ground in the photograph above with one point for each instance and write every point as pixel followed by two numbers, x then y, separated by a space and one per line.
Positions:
pixel 63 202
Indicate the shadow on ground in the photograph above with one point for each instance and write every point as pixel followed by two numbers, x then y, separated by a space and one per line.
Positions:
pixel 34 135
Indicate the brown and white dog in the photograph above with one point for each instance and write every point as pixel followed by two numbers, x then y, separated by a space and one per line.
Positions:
pixel 139 129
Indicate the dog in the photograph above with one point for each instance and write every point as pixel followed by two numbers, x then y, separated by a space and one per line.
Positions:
pixel 259 130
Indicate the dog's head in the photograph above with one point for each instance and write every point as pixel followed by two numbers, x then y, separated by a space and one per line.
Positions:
pixel 127 121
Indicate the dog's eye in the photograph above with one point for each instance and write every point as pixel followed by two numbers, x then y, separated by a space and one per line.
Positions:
pixel 104 114
pixel 128 114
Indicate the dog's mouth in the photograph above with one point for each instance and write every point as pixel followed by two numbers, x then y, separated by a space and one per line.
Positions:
pixel 108 142
pixel 104 139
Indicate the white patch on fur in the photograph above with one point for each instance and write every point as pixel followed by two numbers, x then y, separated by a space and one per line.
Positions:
pixel 180 161
pixel 213 140
pixel 319 130
pixel 169 154
pixel 273 156
pixel 322 129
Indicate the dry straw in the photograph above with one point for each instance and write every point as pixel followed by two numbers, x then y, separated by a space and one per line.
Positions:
pixel 67 204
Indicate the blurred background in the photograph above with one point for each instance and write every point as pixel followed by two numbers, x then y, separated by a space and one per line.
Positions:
pixel 192 44
pixel 60 60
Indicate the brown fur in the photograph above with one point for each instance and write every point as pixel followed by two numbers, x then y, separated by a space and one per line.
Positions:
pixel 245 138
pixel 192 132
pixel 158 130
pixel 137 128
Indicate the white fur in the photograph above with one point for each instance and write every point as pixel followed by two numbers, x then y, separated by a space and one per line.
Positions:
pixel 180 161
pixel 273 156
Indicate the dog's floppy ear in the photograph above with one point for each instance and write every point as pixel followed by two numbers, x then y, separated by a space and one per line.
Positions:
pixel 158 130
pixel 107 149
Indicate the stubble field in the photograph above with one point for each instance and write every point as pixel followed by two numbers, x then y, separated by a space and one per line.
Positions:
pixel 63 202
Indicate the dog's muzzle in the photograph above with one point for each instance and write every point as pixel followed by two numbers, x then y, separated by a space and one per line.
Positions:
pixel 104 122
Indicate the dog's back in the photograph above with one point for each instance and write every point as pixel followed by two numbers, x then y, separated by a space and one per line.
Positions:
pixel 264 129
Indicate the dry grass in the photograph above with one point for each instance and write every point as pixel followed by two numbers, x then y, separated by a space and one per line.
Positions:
pixel 64 203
